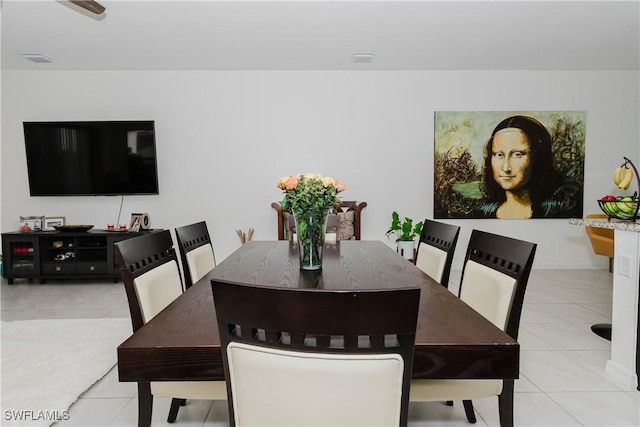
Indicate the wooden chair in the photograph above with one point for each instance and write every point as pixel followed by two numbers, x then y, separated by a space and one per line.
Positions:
pixel 151 276
pixel 196 252
pixel 351 211
pixel 333 228
pixel 435 250
pixel 601 239
pixel 494 279
pixel 296 357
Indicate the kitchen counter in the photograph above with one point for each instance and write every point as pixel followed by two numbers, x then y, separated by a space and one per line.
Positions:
pixel 624 365
pixel 610 224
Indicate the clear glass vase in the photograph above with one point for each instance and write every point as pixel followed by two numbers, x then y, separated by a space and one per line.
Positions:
pixel 310 231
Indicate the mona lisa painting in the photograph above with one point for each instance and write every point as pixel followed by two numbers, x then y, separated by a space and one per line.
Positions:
pixel 509 165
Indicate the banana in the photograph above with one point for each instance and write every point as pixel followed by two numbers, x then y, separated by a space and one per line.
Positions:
pixel 627 176
pixel 616 176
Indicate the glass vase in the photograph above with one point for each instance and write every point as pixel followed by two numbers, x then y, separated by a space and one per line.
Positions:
pixel 310 231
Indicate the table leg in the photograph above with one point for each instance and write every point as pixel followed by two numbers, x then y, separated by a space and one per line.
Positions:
pixel 145 404
pixel 505 404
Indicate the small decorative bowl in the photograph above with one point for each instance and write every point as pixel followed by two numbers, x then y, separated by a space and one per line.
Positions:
pixel 627 210
pixel 78 227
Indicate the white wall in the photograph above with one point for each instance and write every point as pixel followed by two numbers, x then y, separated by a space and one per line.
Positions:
pixel 225 137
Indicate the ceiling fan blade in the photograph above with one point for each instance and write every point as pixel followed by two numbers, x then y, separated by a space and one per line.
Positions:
pixel 90 5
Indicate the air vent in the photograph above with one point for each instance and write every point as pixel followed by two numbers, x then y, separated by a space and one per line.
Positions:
pixel 38 58
pixel 362 57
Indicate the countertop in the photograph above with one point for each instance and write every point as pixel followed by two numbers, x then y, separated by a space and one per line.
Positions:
pixel 607 223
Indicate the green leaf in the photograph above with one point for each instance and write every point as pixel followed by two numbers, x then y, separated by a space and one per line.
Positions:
pixel 404 229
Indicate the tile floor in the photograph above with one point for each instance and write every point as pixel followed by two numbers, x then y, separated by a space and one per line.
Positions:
pixel 562 381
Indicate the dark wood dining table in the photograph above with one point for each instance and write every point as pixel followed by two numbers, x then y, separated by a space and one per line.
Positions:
pixel 452 340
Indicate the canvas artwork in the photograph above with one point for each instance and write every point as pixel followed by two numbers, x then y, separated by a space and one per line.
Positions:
pixel 509 165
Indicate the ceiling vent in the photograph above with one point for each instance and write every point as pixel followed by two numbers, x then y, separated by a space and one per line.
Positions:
pixel 38 58
pixel 362 57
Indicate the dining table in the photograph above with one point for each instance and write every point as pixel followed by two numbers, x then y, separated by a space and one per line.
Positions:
pixel 453 341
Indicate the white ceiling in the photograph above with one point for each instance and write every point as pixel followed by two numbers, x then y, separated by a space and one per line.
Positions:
pixel 323 35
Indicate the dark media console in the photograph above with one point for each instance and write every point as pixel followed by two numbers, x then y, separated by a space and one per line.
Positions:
pixel 53 255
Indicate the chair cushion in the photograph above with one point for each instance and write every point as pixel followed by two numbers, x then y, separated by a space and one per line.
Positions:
pixel 431 260
pixel 157 288
pixel 361 389
pixel 200 261
pixel 488 291
pixel 346 225
pixel 439 390
pixel 201 390
pixel 330 238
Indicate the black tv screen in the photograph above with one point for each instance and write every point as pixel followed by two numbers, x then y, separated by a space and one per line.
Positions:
pixel 91 158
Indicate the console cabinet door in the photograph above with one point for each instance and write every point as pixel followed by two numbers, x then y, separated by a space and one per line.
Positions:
pixel 20 255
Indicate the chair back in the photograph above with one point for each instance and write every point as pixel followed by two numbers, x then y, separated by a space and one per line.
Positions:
pixel 435 249
pixel 150 272
pixel 335 357
pixel 333 229
pixel 332 226
pixel 602 239
pixel 494 278
pixel 196 251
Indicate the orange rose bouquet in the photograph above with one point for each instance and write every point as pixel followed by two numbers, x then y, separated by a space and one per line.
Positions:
pixel 310 191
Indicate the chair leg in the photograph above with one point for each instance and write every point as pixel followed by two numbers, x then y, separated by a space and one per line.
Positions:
pixel 469 412
pixel 145 404
pixel 505 404
pixel 175 406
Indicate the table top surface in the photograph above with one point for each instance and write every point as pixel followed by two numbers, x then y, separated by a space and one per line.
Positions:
pixel 452 340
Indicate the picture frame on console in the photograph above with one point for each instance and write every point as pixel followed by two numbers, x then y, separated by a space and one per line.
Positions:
pixel 49 222
pixel 30 223
pixel 140 221
pixel 134 225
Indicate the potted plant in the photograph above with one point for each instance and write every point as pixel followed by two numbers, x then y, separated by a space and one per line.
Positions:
pixel 405 231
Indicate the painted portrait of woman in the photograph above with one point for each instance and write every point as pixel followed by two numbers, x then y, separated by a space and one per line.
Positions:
pixel 523 170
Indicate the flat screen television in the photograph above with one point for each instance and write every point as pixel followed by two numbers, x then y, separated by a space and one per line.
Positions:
pixel 91 158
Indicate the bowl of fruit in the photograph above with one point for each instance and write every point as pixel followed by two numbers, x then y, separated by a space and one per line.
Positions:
pixel 620 207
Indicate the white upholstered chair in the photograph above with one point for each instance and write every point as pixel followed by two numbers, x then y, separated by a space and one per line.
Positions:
pixel 494 279
pixel 196 251
pixel 303 357
pixel 435 250
pixel 151 276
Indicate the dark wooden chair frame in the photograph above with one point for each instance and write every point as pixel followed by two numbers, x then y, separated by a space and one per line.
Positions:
pixel 355 206
pixel 322 314
pixel 513 258
pixel 441 236
pixel 136 257
pixel 190 237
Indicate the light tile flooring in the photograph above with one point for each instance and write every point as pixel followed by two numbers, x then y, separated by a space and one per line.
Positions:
pixel 562 381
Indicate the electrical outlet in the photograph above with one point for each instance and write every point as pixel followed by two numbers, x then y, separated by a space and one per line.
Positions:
pixel 624 265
